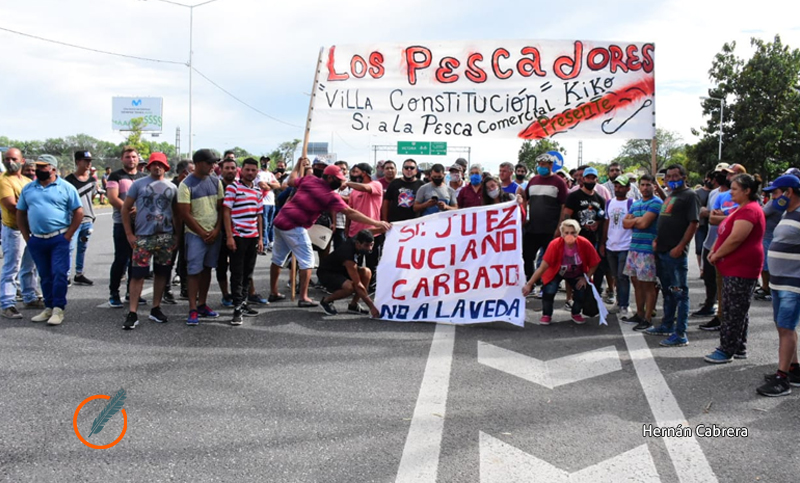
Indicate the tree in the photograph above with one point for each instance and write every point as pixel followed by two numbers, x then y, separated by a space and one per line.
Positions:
pixel 637 153
pixel 529 151
pixel 135 138
pixel 287 149
pixel 761 128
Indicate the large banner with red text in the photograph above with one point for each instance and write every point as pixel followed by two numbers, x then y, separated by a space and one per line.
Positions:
pixel 458 267
pixel 511 89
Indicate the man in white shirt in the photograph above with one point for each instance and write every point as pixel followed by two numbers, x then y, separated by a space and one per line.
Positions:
pixel 616 244
pixel 268 183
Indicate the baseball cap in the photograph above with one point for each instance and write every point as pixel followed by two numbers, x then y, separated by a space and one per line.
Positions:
pixel 47 159
pixel 455 167
pixel 547 158
pixel 334 171
pixel 785 181
pixel 589 171
pixel 205 156
pixel 721 167
pixel 621 180
pixel 463 163
pixel 320 161
pixel 735 168
pixel 158 158
pixel 793 172
pixel 81 155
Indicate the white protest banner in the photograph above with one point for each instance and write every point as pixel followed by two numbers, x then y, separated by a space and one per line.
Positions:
pixel 526 89
pixel 458 267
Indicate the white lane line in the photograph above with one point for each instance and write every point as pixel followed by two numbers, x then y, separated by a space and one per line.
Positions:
pixel 687 457
pixel 146 291
pixel 420 460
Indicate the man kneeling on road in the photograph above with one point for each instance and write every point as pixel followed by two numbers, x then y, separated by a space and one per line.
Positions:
pixel 342 274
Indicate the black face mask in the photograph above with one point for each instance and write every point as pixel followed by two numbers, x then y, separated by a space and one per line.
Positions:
pixel 589 186
pixel 318 172
pixel 335 184
pixel 709 184
pixel 280 170
pixel 437 181
pixel 42 175
pixel 520 177
pixel 724 182
pixel 363 252
pixel 357 179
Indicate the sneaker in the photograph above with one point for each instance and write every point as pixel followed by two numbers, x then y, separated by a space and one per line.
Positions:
pixel 69 282
pixel 568 305
pixel 156 315
pixel 257 299
pixel 44 316
pixel 19 295
pixel 205 311
pixel 328 307
pixel 248 312
pixel 184 295
pixel 82 280
pixel 131 321
pixel 57 317
pixel 537 293
pixel 794 377
pixel 237 317
pixel 227 301
pixel 169 298
pixel 643 325
pixel 741 354
pixel 622 312
pixel 634 319
pixel 705 312
pixel 764 297
pixel 578 319
pixel 545 320
pixel 610 299
pixel 115 302
pixel 11 313
pixel 718 357
pixel 775 387
pixel 192 320
pixel 36 304
pixel 713 324
pixel 674 340
pixel 357 309
pixel 660 330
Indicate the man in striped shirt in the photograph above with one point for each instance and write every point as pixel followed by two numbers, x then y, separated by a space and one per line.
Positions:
pixel 243 208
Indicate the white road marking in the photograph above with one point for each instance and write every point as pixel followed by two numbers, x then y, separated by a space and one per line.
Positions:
pixel 687 456
pixel 552 373
pixel 420 460
pixel 503 463
pixel 146 291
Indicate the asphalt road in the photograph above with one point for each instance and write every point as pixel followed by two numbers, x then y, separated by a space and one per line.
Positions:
pixel 297 396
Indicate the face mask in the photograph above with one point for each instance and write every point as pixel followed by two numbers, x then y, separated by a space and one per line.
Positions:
pixel 709 184
pixel 781 203
pixel 455 177
pixel 318 172
pixel 520 177
pixel 13 167
pixel 362 252
pixel 280 170
pixel 357 179
pixel 475 179
pixel 437 181
pixel 42 175
pixel 542 170
pixel 335 184
pixel 675 185
pixel 494 193
pixel 570 239
pixel 379 172
pixel 589 186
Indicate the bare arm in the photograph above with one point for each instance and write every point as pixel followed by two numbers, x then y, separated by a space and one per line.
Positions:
pixel 10 204
pixel 644 221
pixel 537 275
pixel 298 168
pixel 77 218
pixel 22 224
pixel 361 290
pixel 365 188
pixel 354 215
pixel 126 219
pixel 385 210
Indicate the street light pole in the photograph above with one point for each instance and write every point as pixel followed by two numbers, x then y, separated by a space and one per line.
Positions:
pixel 721 111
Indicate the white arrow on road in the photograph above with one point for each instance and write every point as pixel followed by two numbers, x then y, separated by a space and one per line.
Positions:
pixel 552 373
pixel 503 463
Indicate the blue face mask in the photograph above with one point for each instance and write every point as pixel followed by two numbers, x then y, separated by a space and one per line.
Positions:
pixel 675 185
pixel 475 179
pixel 781 203
pixel 542 170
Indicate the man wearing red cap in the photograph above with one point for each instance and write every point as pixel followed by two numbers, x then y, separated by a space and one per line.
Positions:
pixel 154 235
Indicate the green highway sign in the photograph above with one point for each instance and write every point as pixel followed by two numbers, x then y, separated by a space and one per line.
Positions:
pixel 438 149
pixel 421 148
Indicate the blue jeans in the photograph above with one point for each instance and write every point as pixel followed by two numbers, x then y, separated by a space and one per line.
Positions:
pixel 122 259
pixel 269 217
pixel 550 290
pixel 672 272
pixel 52 260
pixel 616 263
pixel 79 242
pixel 16 261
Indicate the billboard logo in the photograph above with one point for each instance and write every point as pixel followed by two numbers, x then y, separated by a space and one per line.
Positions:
pixel 136 102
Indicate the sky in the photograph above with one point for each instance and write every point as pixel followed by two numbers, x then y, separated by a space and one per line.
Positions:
pixel 265 53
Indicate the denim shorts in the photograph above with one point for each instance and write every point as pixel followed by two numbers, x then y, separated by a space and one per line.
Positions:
pixel 199 255
pixel 766 243
pixel 786 308
pixel 294 241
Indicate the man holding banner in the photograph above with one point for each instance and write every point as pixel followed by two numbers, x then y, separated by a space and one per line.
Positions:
pixel 341 273
pixel 313 195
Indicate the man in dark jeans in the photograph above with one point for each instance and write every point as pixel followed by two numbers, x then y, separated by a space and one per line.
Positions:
pixel 117 189
pixel 182 170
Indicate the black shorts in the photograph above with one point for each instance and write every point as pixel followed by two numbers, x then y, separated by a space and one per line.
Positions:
pixel 333 281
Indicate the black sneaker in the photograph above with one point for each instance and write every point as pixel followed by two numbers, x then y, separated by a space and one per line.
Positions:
pixel 705 312
pixel 184 295
pixel 237 316
pixel 156 315
pixel 115 302
pixel 142 301
pixel 169 298
pixel 82 280
pixel 634 319
pixel 357 309
pixel 328 307
pixel 248 312
pixel 713 324
pixel 775 387
pixel 643 325
pixel 131 321
pixel 794 378
pixel 741 354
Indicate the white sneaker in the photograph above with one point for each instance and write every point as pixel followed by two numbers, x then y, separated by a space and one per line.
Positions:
pixel 57 317
pixel 44 316
pixel 623 312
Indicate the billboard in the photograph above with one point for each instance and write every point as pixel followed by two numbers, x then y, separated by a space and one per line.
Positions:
pixel 123 109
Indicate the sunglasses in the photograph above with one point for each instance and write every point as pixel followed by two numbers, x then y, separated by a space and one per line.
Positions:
pixel 409 167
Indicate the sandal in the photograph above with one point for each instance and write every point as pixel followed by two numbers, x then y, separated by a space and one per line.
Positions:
pixel 306 304
pixel 275 297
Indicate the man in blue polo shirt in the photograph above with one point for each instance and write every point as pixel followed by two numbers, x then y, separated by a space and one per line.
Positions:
pixel 49 212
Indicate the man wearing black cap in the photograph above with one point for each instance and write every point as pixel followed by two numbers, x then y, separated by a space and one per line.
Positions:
pixel 86 185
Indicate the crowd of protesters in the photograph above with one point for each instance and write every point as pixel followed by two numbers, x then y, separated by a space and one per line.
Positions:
pixel 630 233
